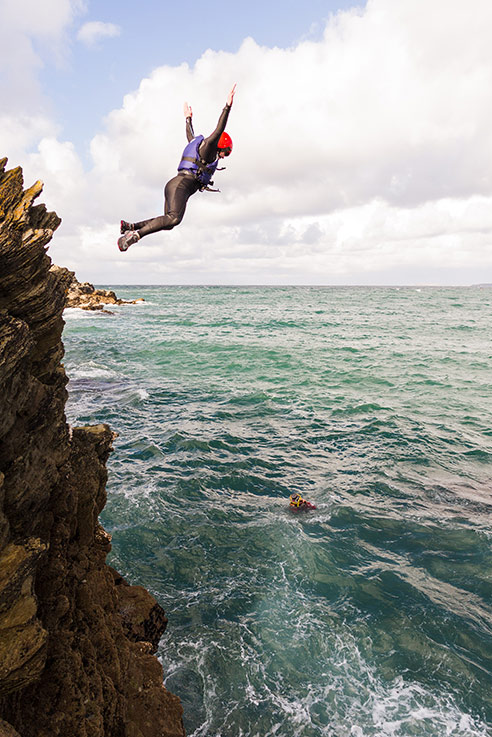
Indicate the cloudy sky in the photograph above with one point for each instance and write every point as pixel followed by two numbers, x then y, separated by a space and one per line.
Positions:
pixel 362 136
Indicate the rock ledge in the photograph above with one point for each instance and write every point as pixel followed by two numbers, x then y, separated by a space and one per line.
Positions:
pixel 85 295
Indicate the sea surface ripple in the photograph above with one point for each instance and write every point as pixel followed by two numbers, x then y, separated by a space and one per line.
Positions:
pixel 369 617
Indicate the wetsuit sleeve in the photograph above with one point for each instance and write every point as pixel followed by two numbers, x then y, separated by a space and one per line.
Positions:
pixel 208 147
pixel 189 130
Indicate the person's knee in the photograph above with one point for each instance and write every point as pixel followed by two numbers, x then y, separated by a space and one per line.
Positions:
pixel 173 219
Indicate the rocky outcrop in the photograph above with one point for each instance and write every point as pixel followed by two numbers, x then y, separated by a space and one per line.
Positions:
pixel 84 295
pixel 76 641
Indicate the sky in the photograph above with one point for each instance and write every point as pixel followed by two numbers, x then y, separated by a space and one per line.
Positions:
pixel 362 136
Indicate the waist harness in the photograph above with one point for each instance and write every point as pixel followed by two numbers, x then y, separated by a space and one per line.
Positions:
pixel 201 170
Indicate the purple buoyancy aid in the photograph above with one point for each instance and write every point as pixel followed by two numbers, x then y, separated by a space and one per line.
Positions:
pixel 191 161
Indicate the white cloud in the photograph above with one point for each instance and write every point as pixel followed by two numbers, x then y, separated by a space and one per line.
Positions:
pixel 364 156
pixel 93 31
pixel 32 32
pixel 19 132
pixel 48 19
pixel 59 164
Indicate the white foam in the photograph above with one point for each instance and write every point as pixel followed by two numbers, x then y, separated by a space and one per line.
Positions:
pixel 76 313
pixel 91 370
pixel 349 697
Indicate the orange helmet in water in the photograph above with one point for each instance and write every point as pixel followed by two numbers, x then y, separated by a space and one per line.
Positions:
pixel 296 500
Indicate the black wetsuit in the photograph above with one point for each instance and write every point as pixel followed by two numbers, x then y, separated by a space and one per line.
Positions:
pixel 180 188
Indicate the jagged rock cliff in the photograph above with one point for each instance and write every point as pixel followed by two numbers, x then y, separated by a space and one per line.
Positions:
pixel 76 640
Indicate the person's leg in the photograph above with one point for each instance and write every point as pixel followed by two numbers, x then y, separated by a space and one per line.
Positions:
pixel 125 226
pixel 176 195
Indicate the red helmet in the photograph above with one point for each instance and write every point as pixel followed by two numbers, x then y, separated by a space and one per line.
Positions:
pixel 225 141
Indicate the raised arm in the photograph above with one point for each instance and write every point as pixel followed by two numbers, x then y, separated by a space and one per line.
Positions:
pixel 230 96
pixel 208 147
pixel 188 113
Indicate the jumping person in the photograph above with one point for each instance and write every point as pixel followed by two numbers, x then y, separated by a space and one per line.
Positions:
pixel 198 164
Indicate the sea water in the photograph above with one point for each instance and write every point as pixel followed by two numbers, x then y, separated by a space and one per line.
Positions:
pixel 368 617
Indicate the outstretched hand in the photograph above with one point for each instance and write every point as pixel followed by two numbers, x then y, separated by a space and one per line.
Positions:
pixel 230 97
pixel 188 112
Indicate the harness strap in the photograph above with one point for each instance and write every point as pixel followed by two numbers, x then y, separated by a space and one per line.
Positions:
pixel 201 164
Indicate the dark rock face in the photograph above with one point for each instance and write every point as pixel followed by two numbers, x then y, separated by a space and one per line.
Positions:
pixel 76 641
pixel 84 295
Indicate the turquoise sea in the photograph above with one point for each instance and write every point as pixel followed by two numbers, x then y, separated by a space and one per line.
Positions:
pixel 368 617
